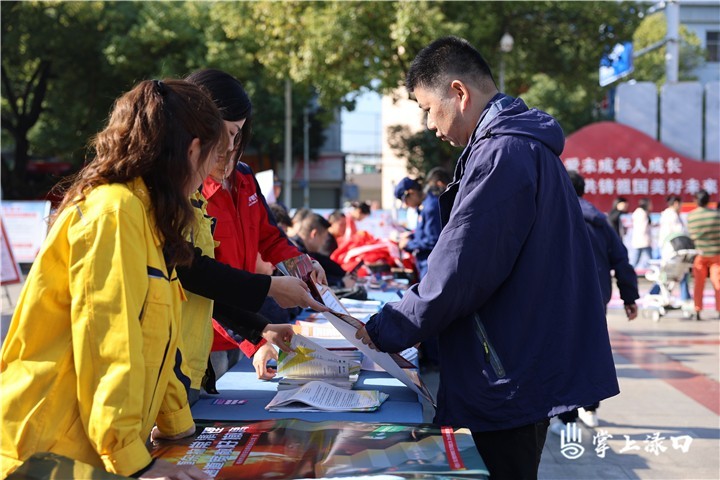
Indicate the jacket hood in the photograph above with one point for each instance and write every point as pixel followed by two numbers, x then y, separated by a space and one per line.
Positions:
pixel 518 120
pixel 591 214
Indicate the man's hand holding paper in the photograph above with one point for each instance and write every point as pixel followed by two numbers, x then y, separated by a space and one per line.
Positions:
pixel 364 337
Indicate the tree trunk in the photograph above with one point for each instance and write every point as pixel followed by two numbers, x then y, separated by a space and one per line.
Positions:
pixel 14 181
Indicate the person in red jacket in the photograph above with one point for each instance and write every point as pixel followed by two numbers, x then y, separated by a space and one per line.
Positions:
pixel 245 226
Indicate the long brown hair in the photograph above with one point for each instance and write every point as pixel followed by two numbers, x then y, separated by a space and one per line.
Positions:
pixel 148 135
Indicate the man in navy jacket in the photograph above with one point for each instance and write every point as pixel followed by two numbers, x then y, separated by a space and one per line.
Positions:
pixel 511 286
pixel 422 240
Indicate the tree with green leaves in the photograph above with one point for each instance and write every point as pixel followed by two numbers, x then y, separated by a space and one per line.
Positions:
pixel 553 65
pixel 650 67
pixel 55 82
pixel 63 63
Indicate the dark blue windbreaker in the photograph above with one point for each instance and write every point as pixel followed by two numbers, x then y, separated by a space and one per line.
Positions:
pixel 514 250
pixel 610 254
pixel 428 228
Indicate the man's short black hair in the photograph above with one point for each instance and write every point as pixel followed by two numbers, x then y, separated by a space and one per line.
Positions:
pixel 438 174
pixel 336 215
pixel 702 198
pixel 280 214
pixel 670 199
pixel 311 222
pixel 364 207
pixel 300 214
pixel 446 56
pixel 578 182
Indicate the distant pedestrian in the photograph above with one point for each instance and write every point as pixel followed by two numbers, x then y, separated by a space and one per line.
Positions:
pixel 704 228
pixel 358 212
pixel 672 225
pixel 619 208
pixel 641 240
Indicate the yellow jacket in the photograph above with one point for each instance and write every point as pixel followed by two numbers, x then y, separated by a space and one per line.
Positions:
pixel 90 351
pixel 197 329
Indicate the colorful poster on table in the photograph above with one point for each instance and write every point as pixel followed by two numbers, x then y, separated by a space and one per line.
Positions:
pixel 290 448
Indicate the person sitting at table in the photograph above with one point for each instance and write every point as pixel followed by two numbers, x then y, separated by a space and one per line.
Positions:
pixel 359 211
pixel 311 238
pixel 281 217
pixel 298 217
pixel 338 225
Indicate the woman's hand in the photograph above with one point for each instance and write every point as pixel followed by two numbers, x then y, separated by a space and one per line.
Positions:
pixel 260 359
pixel 318 273
pixel 280 335
pixel 291 292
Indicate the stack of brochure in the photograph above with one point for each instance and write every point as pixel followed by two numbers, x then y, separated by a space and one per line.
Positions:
pixel 327 336
pixel 310 361
pixel 318 396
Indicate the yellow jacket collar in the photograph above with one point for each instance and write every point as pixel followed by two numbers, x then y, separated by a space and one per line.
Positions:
pixel 140 190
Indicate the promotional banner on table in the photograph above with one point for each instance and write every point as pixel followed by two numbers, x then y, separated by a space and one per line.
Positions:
pixel 289 448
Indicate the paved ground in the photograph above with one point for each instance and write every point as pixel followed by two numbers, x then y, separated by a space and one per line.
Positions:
pixel 669 373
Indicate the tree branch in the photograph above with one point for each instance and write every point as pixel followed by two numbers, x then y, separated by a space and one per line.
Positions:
pixel 12 99
pixel 39 94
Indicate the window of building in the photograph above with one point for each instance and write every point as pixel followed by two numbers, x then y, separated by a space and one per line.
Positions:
pixel 712 45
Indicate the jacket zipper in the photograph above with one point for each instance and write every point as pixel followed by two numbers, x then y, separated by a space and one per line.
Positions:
pixel 491 355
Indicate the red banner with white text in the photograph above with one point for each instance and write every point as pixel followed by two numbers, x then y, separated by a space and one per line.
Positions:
pixel 620 161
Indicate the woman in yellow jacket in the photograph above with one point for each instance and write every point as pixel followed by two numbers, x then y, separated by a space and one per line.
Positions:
pixel 88 359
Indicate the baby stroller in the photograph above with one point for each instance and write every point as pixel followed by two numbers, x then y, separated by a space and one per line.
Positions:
pixel 677 259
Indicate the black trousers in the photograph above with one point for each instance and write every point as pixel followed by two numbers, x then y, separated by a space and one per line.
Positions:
pixel 513 454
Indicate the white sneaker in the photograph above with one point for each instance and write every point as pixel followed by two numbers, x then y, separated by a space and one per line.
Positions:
pixel 589 418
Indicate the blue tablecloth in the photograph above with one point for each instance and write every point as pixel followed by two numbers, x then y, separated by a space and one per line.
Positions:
pixel 241 383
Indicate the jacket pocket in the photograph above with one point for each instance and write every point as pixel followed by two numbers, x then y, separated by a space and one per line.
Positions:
pixel 155 319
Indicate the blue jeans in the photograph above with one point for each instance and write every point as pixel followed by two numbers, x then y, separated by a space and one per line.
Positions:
pixel 638 255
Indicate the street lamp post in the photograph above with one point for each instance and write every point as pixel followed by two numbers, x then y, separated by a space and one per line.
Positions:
pixel 506 46
pixel 306 158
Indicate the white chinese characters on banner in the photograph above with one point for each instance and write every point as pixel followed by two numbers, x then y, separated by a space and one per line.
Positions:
pixel 626 176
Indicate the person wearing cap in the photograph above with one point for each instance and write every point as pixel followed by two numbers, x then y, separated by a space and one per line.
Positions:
pixel 421 241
